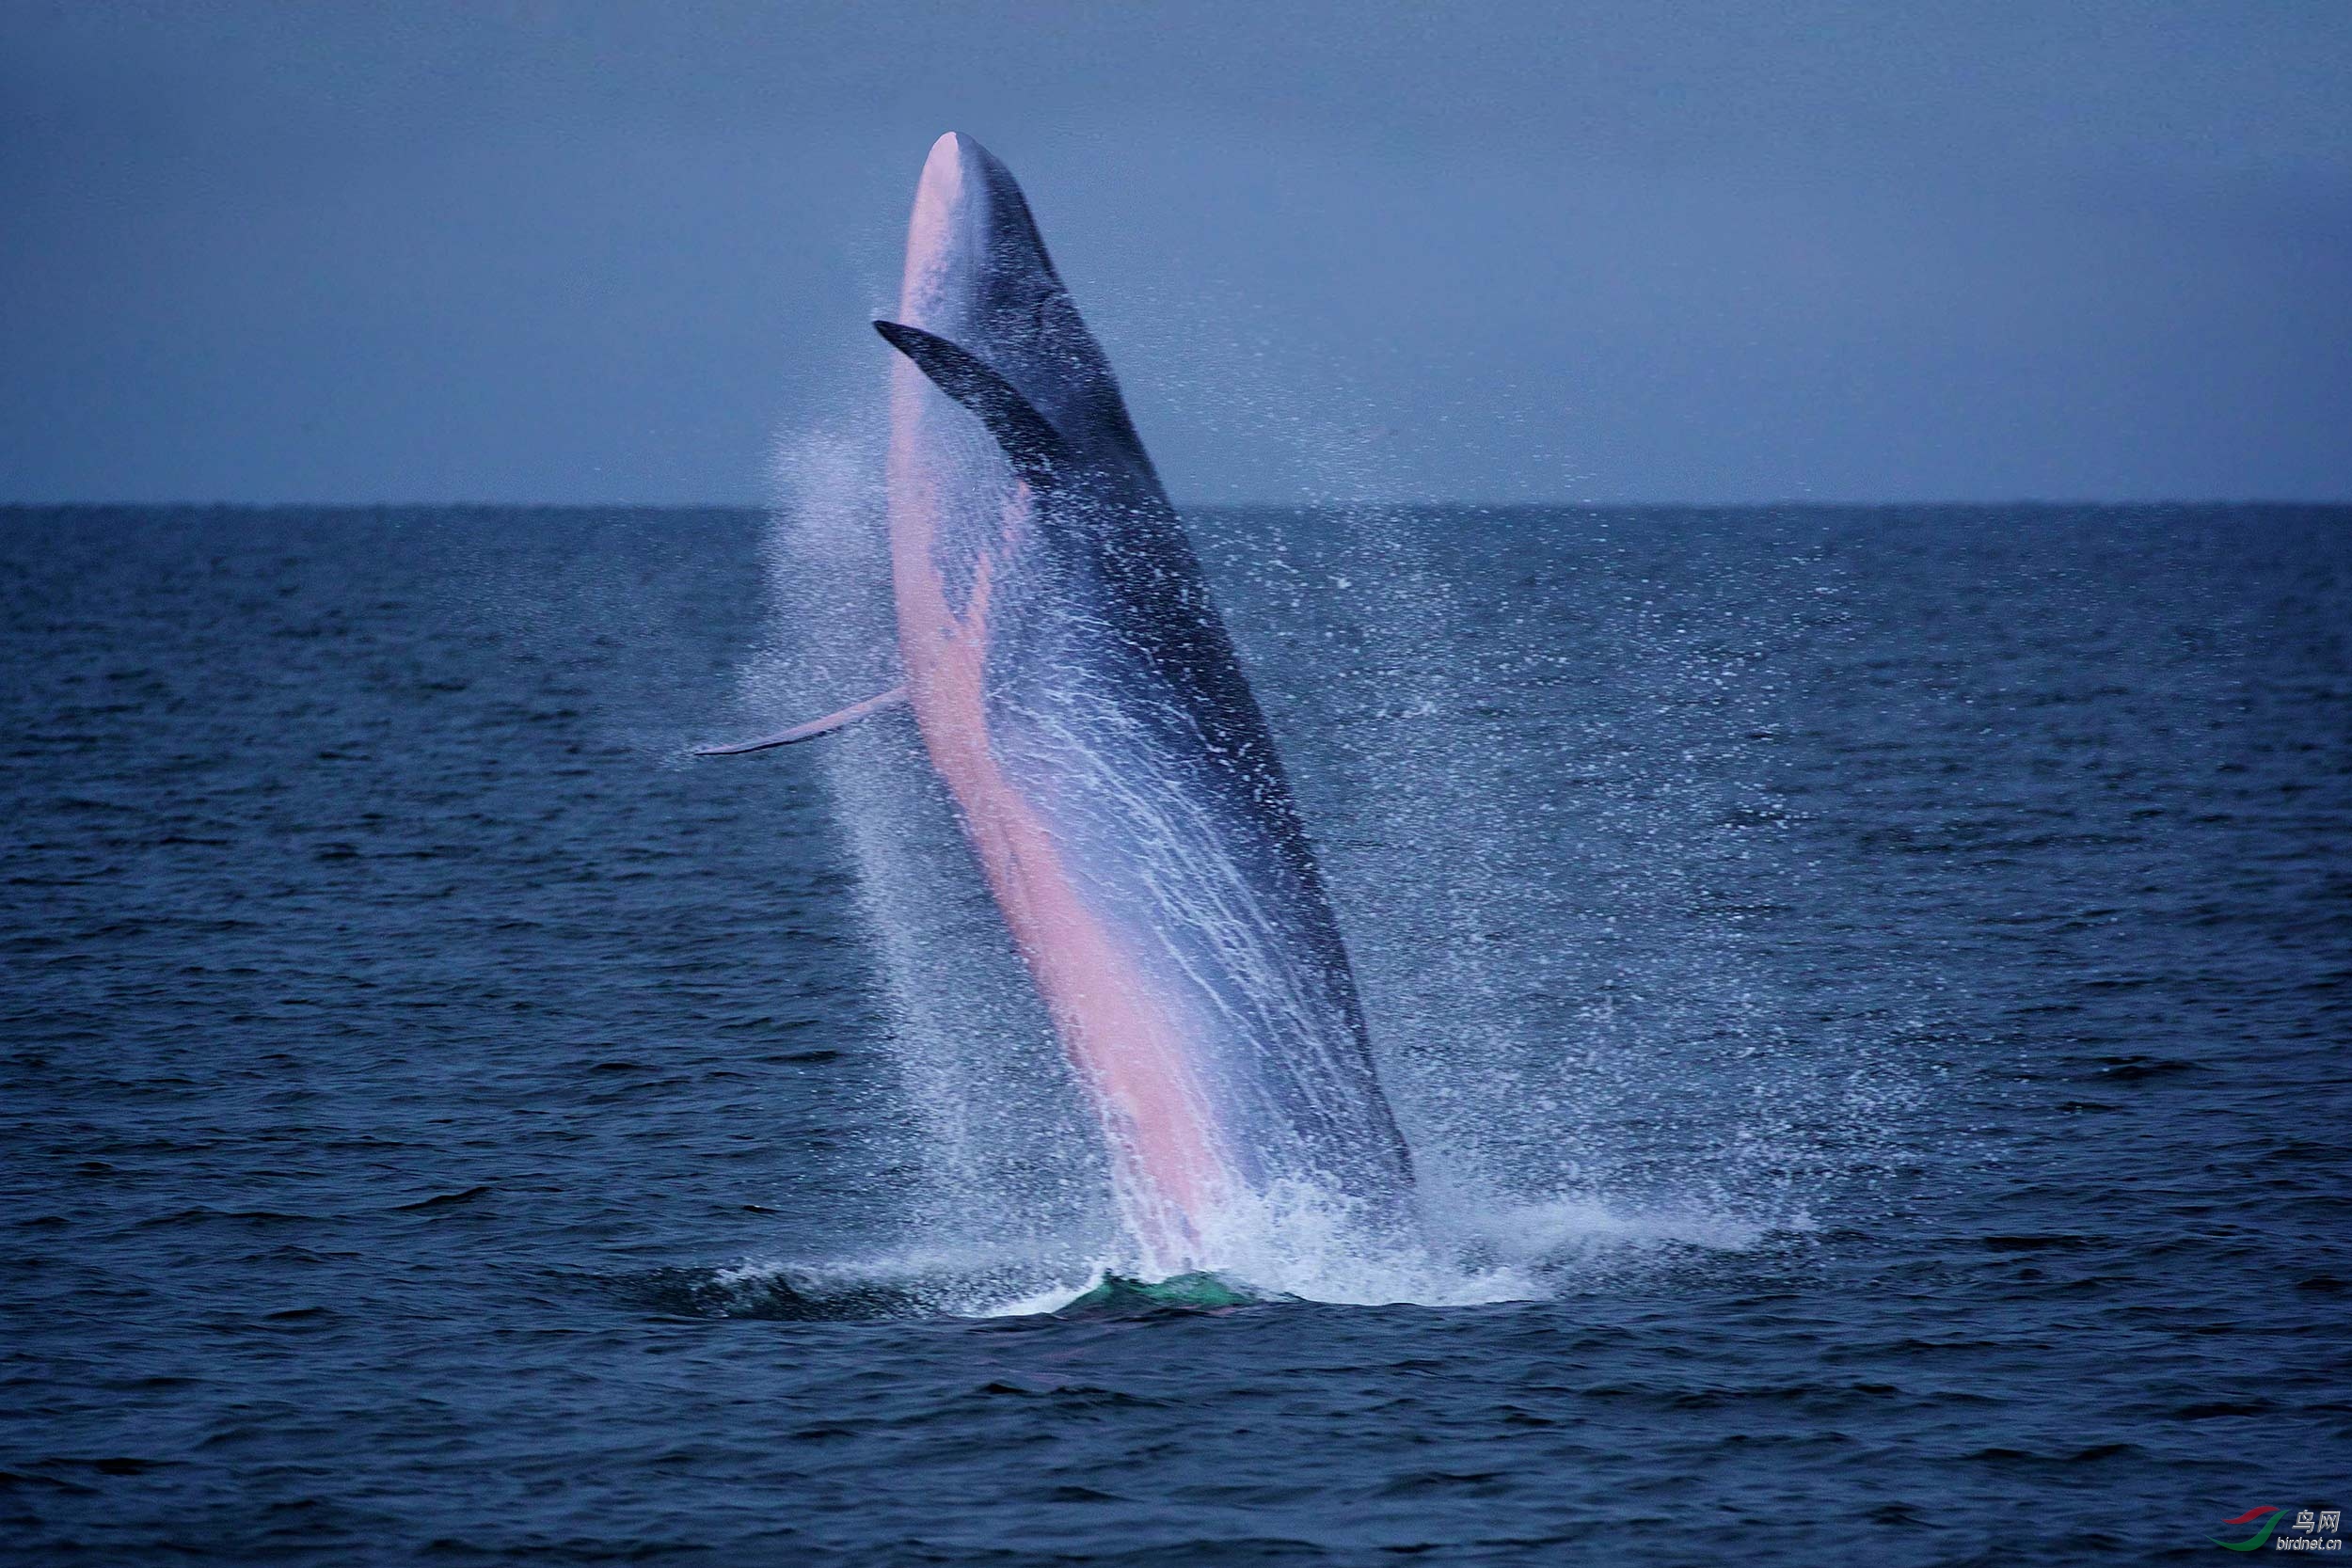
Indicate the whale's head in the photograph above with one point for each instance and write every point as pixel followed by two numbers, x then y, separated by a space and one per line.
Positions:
pixel 977 276
pixel 977 271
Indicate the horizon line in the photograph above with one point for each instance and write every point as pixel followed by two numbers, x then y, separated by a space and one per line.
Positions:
pixel 1786 503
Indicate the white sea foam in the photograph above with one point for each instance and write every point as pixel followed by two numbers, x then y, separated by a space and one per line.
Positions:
pixel 1592 1064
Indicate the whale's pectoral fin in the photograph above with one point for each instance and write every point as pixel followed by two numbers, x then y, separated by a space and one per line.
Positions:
pixel 1036 449
pixel 813 728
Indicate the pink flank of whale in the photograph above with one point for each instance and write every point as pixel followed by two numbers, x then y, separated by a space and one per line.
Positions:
pixel 1127 1044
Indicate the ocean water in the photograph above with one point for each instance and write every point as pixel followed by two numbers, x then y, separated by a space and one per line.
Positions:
pixel 1868 990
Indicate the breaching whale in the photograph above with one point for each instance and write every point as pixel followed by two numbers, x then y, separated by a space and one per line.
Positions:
pixel 1077 694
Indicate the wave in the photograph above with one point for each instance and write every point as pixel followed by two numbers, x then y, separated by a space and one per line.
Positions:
pixel 1526 1251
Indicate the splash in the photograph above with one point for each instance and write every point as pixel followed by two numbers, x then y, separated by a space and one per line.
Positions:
pixel 1294 1254
pixel 1593 1075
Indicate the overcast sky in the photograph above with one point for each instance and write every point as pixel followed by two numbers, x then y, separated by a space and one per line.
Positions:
pixel 567 252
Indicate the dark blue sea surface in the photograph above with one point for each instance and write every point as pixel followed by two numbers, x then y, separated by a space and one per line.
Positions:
pixel 1869 989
